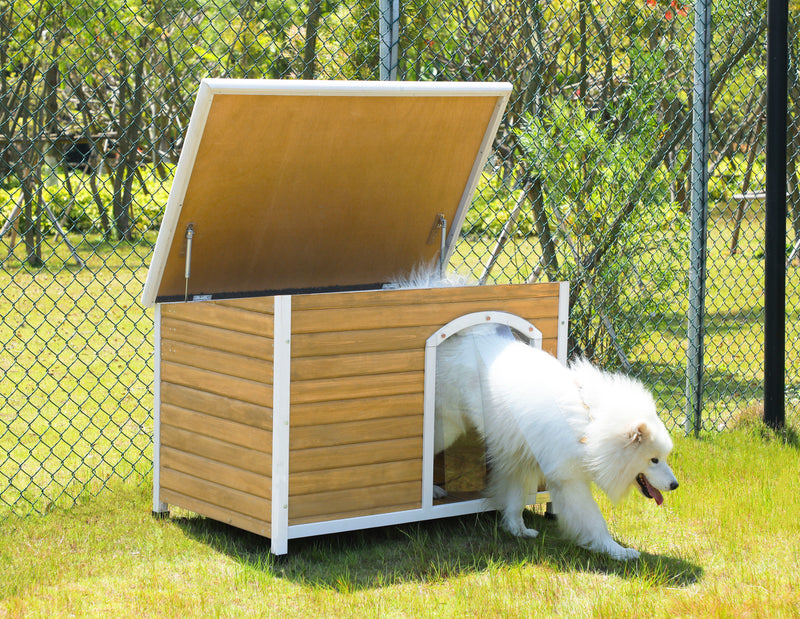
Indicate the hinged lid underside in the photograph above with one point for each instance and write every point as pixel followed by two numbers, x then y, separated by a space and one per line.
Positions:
pixel 319 185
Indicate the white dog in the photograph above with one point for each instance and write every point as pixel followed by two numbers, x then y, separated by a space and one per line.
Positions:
pixel 542 421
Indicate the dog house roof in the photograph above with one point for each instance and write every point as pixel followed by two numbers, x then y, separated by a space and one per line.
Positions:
pixel 307 185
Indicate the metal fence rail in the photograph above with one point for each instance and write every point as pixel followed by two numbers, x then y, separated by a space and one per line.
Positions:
pixel 590 181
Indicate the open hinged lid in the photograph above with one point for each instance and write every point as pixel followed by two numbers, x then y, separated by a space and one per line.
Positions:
pixel 313 185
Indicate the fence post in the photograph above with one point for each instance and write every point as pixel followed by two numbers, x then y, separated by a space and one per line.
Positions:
pixel 389 30
pixel 699 216
pixel 775 219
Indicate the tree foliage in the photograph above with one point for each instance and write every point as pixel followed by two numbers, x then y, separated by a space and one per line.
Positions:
pixel 596 132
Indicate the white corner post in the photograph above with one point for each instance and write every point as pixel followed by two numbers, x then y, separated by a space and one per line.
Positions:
pixel 389 37
pixel 699 217
pixel 563 322
pixel 279 525
pixel 159 507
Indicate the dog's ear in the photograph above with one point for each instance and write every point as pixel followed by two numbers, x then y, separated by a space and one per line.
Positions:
pixel 639 433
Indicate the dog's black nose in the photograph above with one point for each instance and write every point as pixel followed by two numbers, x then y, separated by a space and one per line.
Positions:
pixel 673 485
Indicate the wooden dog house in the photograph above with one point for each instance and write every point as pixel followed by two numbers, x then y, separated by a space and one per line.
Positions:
pixel 293 395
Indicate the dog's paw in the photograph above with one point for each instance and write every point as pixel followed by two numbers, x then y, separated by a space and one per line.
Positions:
pixel 519 529
pixel 439 492
pixel 620 553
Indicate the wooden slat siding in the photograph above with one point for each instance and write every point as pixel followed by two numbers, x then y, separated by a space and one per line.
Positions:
pixel 355 477
pixel 312 321
pixel 216 494
pixel 217 428
pixel 213 314
pixel 348 347
pixel 333 366
pixel 216 472
pixel 201 357
pixel 216 410
pixel 377 340
pixel 216 383
pixel 251 415
pixel 216 338
pixel 386 509
pixel 259 526
pixel 351 387
pixel 372 430
pixel 322 458
pixel 365 364
pixel 359 341
pixel 263 305
pixel 384 298
pixel 213 449
pixel 373 498
pixel 355 410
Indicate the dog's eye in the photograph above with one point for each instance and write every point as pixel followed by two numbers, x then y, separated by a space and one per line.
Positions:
pixel 654 460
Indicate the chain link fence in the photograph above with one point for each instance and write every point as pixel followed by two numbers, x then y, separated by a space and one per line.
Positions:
pixel 589 181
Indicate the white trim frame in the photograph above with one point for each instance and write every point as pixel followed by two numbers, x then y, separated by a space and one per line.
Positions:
pixel 518 324
pixel 177 192
pixel 455 226
pixel 563 321
pixel 159 507
pixel 522 326
pixel 282 353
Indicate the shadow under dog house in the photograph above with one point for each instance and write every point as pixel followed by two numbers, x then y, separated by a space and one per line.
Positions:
pixel 293 393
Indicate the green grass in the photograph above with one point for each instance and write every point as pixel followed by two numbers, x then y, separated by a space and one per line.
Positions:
pixel 724 544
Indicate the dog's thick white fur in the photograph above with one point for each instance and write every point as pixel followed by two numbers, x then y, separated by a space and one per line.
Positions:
pixel 541 421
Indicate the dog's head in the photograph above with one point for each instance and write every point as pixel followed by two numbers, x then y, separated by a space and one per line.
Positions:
pixel 627 444
pixel 652 446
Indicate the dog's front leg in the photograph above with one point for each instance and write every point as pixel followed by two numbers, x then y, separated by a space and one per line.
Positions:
pixel 511 502
pixel 580 518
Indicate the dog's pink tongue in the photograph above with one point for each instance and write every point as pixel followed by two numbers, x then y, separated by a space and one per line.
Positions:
pixel 657 496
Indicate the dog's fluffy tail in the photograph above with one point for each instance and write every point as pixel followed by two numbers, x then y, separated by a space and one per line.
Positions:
pixel 429 276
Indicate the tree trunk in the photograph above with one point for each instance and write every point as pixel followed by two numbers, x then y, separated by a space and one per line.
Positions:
pixel 310 48
pixel 31 232
pixel 546 240
pixel 130 157
pixel 582 50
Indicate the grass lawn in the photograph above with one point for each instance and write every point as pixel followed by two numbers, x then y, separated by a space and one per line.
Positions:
pixel 724 544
